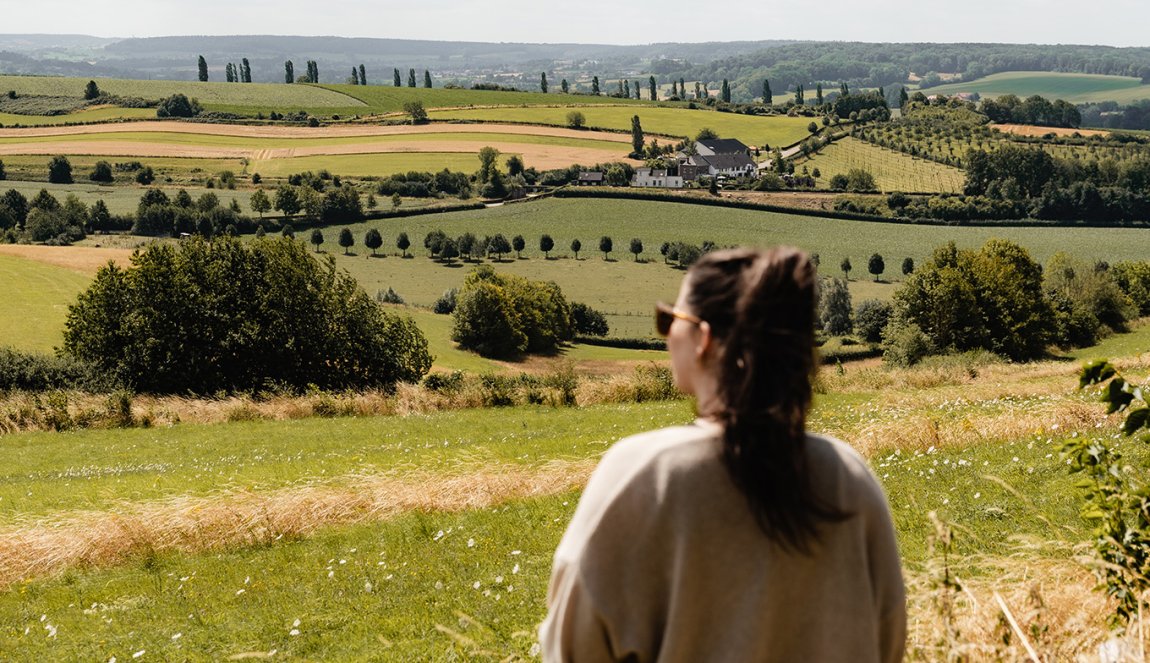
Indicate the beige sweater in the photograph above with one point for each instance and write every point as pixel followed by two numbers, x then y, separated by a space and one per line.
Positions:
pixel 664 561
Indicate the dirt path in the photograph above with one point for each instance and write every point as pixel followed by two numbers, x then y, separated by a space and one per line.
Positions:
pixel 340 131
pixel 83 259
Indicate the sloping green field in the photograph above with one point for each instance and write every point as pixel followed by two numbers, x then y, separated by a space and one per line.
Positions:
pixel 892 170
pixel 387 98
pixel 35 300
pixel 93 115
pixel 286 97
pixel 1075 88
pixel 775 131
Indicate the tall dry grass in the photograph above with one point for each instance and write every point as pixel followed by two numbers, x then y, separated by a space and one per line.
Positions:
pixel 232 519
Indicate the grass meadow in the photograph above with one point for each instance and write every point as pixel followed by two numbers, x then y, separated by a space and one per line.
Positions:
pixel 892 170
pixel 32 170
pixel 369 165
pixel 387 98
pixel 1075 88
pixel 775 131
pixel 123 199
pixel 35 301
pixel 625 289
pixel 210 94
pixel 429 537
pixel 104 114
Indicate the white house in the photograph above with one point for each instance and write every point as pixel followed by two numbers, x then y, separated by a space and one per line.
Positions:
pixel 656 177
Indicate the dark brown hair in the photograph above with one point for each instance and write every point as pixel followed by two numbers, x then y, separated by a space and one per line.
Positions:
pixel 760 305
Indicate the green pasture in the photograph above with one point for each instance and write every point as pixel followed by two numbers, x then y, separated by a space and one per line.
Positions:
pixel 892 170
pixel 179 169
pixel 1075 88
pixel 46 473
pixel 210 94
pixel 442 585
pixel 625 289
pixel 123 199
pixel 775 130
pixel 35 301
pixel 387 98
pixel 93 115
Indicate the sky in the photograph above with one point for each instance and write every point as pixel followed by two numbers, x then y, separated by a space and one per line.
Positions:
pixel 1109 22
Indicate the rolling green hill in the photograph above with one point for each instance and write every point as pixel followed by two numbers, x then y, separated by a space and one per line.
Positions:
pixel 1075 88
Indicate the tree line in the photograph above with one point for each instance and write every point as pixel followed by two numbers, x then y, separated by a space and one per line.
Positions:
pixel 243 73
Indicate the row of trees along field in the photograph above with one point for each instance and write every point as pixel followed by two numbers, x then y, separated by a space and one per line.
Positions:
pixel 243 73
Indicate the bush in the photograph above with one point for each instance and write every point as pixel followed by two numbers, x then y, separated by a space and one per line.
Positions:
pixel 445 305
pixel 35 372
pixel 503 315
pixel 576 120
pixel 205 317
pixel 389 296
pixel 102 172
pixel 834 306
pixel 587 321
pixel 60 170
pixel 871 317
pixel 178 105
pixel 904 343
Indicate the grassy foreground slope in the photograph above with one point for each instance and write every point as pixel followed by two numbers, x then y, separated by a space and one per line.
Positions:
pixel 444 556
pixel 1075 88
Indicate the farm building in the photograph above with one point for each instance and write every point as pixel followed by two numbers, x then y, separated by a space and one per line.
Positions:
pixel 728 165
pixel 716 146
pixel 590 178
pixel 656 177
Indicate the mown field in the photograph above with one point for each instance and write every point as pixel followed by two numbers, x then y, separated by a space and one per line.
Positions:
pixel 775 131
pixel 35 301
pixel 430 537
pixel 1075 88
pixel 93 115
pixel 892 170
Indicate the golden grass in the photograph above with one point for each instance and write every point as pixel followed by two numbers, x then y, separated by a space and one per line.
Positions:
pixel 231 519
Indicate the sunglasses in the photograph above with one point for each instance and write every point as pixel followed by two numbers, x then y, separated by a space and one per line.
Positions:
pixel 665 314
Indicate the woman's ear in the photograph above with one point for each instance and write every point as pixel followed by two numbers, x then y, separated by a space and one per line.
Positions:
pixel 705 340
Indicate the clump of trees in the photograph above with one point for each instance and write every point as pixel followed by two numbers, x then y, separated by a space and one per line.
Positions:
pixel 503 315
pixel 204 317
pixel 178 105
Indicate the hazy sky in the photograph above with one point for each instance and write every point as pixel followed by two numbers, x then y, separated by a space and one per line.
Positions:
pixel 1113 22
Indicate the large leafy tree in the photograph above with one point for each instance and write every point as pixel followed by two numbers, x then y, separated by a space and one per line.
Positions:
pixel 503 315
pixel 202 317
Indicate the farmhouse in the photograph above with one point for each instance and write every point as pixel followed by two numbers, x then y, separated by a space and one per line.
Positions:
pixel 715 146
pixel 656 177
pixel 728 165
pixel 590 178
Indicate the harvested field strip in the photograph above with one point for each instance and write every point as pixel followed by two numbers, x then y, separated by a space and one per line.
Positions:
pixel 249 518
pixel 334 131
pixel 369 165
pixel 213 140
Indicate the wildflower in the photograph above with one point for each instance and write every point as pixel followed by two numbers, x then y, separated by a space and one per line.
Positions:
pixel 471 543
pixel 139 653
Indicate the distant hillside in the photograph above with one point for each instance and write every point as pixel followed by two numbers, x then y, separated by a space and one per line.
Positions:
pixel 464 62
pixel 873 65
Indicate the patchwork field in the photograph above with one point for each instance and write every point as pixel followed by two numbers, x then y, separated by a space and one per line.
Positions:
pixel 1075 88
pixel 346 150
pixel 892 170
pixel 775 131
